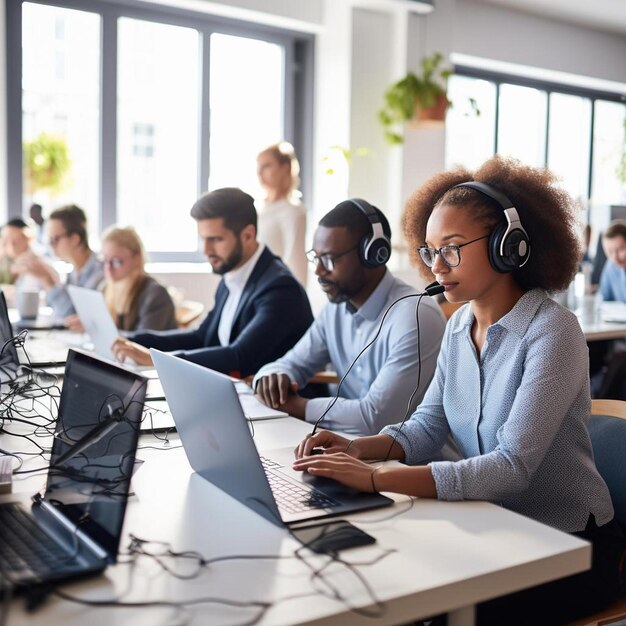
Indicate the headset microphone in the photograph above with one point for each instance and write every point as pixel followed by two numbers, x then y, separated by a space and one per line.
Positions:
pixel 430 290
pixel 434 289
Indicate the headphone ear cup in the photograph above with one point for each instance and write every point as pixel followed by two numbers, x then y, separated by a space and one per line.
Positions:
pixel 378 253
pixel 497 261
pixel 516 249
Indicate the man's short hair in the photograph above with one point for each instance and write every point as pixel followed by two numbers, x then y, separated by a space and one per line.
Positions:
pixel 74 221
pixel 231 204
pixel 617 228
pixel 347 215
pixel 17 222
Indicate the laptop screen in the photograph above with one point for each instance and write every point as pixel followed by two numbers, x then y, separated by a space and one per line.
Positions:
pixel 9 361
pixel 93 453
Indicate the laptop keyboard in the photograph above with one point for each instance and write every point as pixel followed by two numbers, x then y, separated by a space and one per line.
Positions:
pixel 291 497
pixel 25 550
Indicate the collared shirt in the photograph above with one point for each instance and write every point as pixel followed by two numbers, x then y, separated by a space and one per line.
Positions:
pixel 613 282
pixel 377 389
pixel 518 412
pixel 90 275
pixel 235 281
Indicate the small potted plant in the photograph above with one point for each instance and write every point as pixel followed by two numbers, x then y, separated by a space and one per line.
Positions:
pixel 421 97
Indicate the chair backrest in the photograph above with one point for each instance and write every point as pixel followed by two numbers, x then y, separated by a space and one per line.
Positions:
pixel 614 380
pixel 608 438
pixel 187 312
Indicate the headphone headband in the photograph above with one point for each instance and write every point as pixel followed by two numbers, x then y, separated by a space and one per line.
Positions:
pixel 509 244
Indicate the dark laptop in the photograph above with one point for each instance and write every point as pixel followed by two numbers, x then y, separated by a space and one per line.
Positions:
pixel 217 441
pixel 9 361
pixel 74 529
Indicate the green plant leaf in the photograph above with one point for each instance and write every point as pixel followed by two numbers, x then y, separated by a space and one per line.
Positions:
pixel 46 162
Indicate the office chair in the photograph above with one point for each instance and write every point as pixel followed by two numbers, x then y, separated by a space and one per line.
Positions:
pixel 607 427
pixel 613 383
pixel 187 312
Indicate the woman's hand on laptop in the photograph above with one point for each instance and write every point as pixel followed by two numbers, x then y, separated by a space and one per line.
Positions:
pixel 124 349
pixel 324 441
pixel 340 467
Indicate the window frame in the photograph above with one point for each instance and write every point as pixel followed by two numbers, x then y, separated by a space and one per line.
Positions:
pixel 297 111
pixel 550 87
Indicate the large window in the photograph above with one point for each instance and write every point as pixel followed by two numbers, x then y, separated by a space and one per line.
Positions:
pixel 157 131
pixel 577 133
pixel 61 107
pixel 133 111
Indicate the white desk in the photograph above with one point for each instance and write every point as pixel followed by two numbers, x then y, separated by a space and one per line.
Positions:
pixel 448 556
pixel 604 326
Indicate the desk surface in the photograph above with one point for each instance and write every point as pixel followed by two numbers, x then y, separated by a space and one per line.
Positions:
pixel 605 324
pixel 444 556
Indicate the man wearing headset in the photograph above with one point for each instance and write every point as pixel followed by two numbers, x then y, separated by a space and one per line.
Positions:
pixel 350 249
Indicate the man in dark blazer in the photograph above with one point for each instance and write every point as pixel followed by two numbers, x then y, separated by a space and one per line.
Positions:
pixel 260 309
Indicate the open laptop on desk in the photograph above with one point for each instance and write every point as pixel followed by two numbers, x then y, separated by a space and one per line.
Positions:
pixel 95 318
pixel 99 325
pixel 74 529
pixel 217 441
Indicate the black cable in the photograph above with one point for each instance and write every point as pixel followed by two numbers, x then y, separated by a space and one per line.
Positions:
pixel 432 289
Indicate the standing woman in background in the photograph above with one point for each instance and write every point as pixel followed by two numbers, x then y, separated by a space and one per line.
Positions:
pixel 282 217
pixel 136 301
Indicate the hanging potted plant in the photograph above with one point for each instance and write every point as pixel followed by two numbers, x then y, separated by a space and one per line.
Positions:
pixel 420 97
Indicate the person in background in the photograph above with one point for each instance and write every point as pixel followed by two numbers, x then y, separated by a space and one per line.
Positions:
pixel 282 218
pixel 613 277
pixel 24 262
pixel 500 244
pixel 136 301
pixel 360 290
pixel 67 234
pixel 260 308
pixel 35 212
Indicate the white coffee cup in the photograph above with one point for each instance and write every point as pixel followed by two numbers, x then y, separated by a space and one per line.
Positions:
pixel 27 304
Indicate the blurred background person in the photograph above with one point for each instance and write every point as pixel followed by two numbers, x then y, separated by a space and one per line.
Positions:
pixel 69 242
pixel 26 269
pixel 136 301
pixel 35 213
pixel 281 215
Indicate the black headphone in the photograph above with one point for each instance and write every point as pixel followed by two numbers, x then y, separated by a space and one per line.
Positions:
pixel 509 244
pixel 375 247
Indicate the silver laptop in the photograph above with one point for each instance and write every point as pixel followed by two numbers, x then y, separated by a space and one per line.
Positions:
pixel 217 441
pixel 95 318
pixel 74 529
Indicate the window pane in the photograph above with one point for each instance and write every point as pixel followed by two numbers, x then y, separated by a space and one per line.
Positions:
pixel 569 142
pixel 470 137
pixel 157 132
pixel 608 144
pixel 522 124
pixel 247 92
pixel 61 107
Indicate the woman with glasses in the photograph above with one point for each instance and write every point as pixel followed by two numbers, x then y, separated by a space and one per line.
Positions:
pixel 511 386
pixel 67 235
pixel 136 301
pixel 281 216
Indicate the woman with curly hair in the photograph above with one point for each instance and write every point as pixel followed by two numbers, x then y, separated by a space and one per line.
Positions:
pixel 511 386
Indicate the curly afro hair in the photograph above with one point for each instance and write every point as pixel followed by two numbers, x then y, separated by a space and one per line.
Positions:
pixel 547 212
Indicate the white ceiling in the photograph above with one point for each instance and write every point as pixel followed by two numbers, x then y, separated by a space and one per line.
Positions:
pixel 608 15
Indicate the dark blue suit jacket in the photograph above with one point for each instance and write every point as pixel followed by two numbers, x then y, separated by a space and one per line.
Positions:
pixel 273 313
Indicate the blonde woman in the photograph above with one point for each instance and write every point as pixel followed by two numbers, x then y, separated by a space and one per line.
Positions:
pixel 281 216
pixel 136 301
